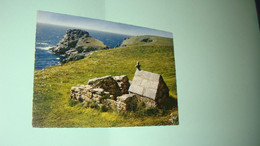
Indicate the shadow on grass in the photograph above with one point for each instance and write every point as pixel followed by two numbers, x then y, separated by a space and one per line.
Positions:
pixel 170 103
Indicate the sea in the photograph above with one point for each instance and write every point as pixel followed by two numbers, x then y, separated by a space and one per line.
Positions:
pixel 48 36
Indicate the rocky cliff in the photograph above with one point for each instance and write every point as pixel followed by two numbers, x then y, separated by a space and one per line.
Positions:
pixel 77 44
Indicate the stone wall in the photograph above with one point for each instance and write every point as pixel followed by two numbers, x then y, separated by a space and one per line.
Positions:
pixel 127 102
pixel 112 92
pixel 148 102
pixel 123 83
pixel 98 89
pixel 107 83
pixel 88 93
pixel 162 93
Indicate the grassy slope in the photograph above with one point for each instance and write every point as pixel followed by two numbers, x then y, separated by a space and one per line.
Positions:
pixel 155 41
pixel 90 42
pixel 51 102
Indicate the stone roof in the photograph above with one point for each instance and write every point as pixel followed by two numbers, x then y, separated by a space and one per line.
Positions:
pixel 145 84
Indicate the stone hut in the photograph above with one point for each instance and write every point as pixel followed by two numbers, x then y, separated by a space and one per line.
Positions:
pixel 150 87
pixel 117 93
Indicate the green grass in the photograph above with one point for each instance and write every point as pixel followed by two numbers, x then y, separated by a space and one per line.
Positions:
pixel 52 106
pixel 156 41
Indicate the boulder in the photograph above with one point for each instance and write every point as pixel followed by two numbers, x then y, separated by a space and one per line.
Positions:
pixel 127 102
pixel 110 103
pixel 123 83
pixel 107 83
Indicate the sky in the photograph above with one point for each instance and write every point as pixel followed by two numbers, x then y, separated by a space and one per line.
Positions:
pixel 95 24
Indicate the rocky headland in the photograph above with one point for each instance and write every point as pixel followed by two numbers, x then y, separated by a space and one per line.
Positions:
pixel 77 44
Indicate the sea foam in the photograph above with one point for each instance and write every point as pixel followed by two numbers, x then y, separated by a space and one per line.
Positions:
pixel 45 48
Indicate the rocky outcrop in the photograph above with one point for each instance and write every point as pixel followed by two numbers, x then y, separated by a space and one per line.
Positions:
pixel 76 45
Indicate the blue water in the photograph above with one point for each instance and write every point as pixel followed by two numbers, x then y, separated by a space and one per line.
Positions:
pixel 48 36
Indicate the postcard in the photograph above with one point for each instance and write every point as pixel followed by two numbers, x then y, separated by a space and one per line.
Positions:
pixel 96 73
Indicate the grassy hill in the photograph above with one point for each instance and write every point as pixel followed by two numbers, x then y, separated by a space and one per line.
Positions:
pixel 52 106
pixel 147 40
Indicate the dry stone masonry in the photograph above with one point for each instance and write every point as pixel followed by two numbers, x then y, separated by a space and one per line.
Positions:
pixel 150 87
pixel 123 83
pixel 117 93
pixel 106 83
